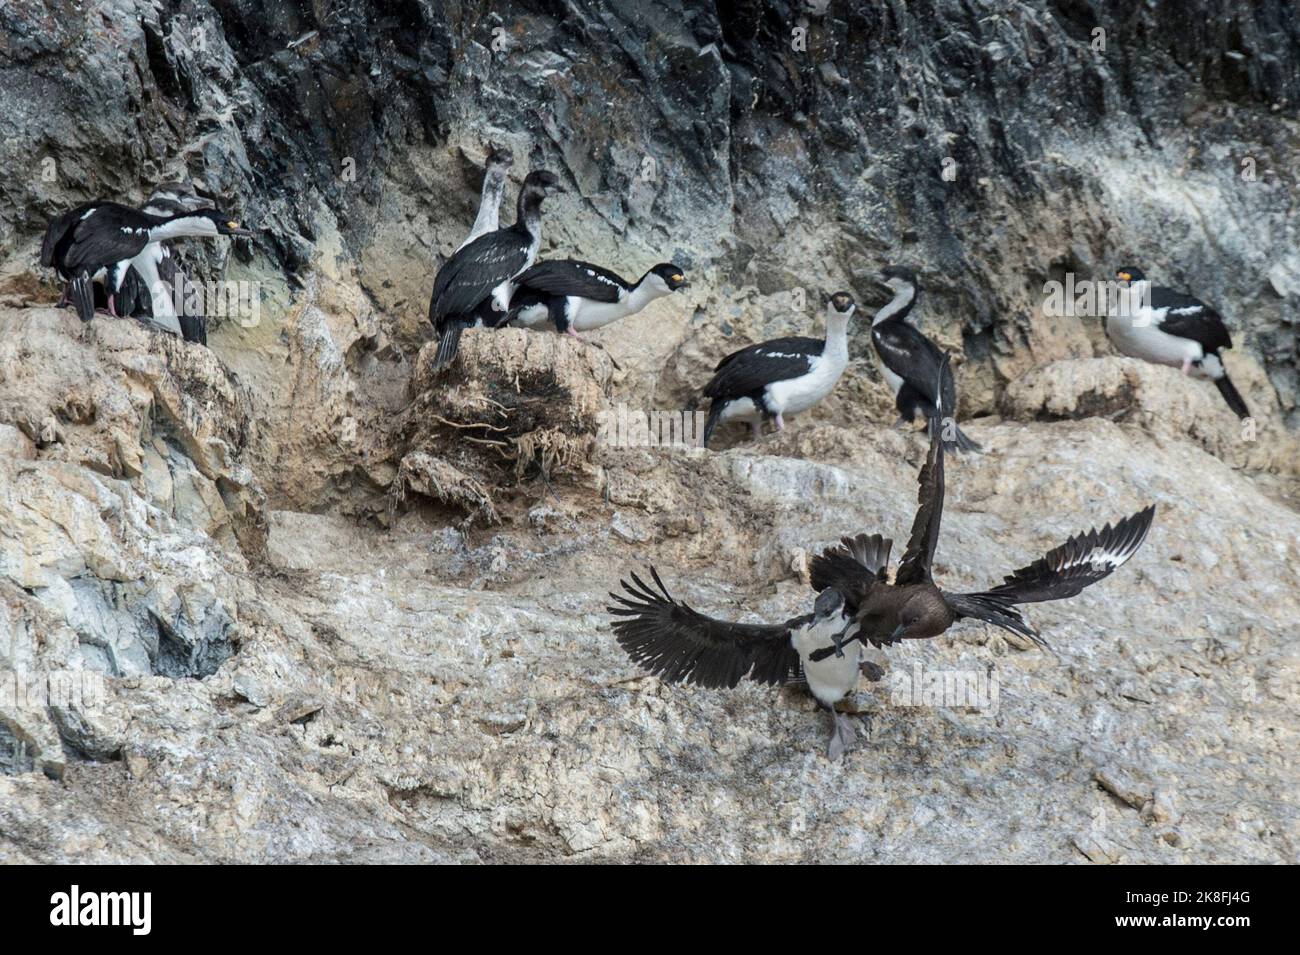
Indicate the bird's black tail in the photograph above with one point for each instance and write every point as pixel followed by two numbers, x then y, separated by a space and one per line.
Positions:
pixel 83 296
pixel 715 414
pixel 194 328
pixel 1232 396
pixel 448 344
pixel 960 442
pixel 996 610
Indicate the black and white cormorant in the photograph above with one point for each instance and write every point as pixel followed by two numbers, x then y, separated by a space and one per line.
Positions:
pixel 1166 327
pixel 909 361
pixel 111 237
pixel 857 604
pixel 499 161
pixel 779 377
pixel 474 287
pixel 135 299
pixel 578 297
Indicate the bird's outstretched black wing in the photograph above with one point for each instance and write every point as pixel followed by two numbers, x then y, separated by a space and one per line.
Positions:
pixel 571 277
pixel 470 275
pixel 1189 317
pixel 1062 572
pixel 749 369
pixel 1081 561
pixel 852 567
pixel 679 645
pixel 915 565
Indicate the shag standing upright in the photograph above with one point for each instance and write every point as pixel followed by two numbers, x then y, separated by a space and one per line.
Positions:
pixel 909 361
pixel 856 604
pixel 779 377
pixel 1165 327
pixel 474 286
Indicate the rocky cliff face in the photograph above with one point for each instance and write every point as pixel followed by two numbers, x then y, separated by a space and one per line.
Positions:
pixel 296 598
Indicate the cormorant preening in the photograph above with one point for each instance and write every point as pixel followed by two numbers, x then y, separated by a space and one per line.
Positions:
pixel 135 299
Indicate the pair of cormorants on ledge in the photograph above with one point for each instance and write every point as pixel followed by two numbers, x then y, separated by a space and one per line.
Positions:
pixel 785 376
pixel 493 278
pixel 856 604
pixel 127 249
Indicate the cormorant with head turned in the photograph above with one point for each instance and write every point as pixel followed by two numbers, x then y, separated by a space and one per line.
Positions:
pixel 856 604
pixel 475 285
pixel 578 297
pixel 909 361
pixel 779 377
pixel 111 237
pixel 1165 327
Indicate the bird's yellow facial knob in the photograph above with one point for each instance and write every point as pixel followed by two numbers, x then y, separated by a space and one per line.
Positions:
pixel 1124 276
pixel 232 225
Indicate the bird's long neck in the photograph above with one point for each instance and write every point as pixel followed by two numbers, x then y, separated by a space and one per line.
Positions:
pixel 898 307
pixel 489 206
pixel 179 225
pixel 529 213
pixel 643 293
pixel 837 334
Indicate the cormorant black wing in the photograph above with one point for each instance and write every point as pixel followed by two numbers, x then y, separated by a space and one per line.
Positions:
pixel 852 567
pixel 58 235
pixel 1189 317
pixel 109 233
pixel 915 565
pixel 749 369
pixel 679 645
pixel 470 275
pixel 571 277
pixel 914 358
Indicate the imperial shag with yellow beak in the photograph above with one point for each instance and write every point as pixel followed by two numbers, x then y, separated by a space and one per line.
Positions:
pixel 109 237
pixel 857 604
pixel 1166 327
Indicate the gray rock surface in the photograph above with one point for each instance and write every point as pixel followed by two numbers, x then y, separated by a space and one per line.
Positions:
pixel 268 602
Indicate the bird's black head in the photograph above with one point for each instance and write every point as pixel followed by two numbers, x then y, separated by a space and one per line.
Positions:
pixel 829 603
pixel 673 276
pixel 542 182
pixel 897 276
pixel 842 302
pixel 1130 273
pixel 499 156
